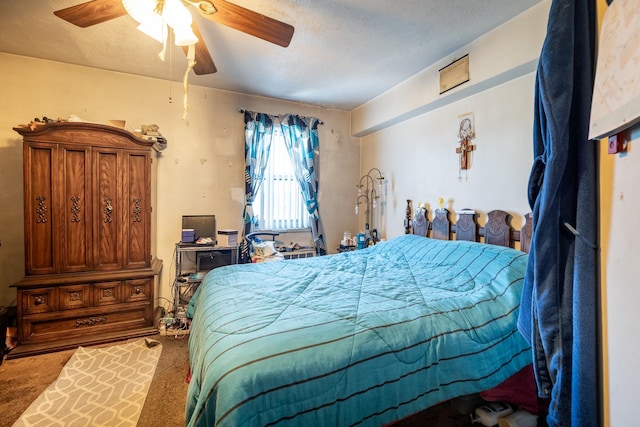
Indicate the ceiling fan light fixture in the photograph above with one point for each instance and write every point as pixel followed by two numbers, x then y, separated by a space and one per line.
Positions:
pixel 153 24
pixel 154 29
pixel 184 36
pixel 140 10
pixel 176 15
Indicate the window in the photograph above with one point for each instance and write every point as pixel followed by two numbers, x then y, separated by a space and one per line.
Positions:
pixel 279 204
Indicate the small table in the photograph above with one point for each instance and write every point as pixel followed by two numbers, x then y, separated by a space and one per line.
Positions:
pixel 202 258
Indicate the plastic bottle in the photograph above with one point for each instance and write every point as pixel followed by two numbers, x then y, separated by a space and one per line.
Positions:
pixel 346 238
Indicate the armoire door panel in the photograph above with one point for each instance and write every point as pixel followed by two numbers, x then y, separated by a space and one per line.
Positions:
pixel 40 169
pixel 107 204
pixel 76 213
pixel 136 224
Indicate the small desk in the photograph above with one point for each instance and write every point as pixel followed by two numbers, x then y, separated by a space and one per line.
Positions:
pixel 193 261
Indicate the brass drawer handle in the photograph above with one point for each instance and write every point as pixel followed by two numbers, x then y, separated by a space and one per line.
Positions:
pixel 75 209
pixel 137 210
pixel 108 210
pixel 41 210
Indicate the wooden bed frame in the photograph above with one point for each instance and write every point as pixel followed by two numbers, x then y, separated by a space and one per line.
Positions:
pixel 497 231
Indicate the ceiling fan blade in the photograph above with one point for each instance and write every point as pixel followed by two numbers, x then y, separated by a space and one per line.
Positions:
pixel 204 62
pixel 248 21
pixel 92 12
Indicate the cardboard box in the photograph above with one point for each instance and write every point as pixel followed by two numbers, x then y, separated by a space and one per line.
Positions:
pixel 188 235
pixel 227 238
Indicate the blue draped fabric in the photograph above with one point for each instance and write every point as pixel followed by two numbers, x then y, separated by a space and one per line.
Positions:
pixel 258 133
pixel 301 138
pixel 361 338
pixel 559 312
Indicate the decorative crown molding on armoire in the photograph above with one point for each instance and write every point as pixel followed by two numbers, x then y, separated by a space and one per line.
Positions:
pixel 89 274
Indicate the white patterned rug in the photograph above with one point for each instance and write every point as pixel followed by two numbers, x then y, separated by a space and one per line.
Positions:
pixel 98 387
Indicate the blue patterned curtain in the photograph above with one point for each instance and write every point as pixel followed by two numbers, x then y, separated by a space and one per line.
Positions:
pixel 301 138
pixel 258 133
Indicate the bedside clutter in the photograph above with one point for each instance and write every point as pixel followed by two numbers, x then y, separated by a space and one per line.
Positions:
pixel 264 247
pixel 362 240
pixel 268 251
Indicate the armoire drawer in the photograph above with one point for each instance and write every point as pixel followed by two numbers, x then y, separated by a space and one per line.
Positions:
pixel 47 327
pixel 107 293
pixel 74 296
pixel 39 300
pixel 137 290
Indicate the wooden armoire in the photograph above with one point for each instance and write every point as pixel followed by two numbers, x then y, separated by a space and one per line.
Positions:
pixel 89 272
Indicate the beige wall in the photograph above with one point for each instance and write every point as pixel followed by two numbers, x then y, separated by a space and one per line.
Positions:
pixel 619 202
pixel 200 172
pixel 420 161
pixel 414 140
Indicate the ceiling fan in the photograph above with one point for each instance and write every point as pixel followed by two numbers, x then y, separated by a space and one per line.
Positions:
pixel 97 11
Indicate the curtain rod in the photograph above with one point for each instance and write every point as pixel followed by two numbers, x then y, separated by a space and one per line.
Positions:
pixel 242 111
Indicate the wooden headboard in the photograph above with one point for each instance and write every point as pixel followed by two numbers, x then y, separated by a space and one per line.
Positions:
pixel 497 231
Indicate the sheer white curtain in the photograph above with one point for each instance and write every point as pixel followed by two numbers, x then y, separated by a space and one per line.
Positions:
pixel 279 204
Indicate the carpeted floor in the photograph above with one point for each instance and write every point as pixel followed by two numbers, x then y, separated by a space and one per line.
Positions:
pixel 22 380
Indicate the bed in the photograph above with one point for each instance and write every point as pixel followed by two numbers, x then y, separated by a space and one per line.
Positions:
pixel 364 338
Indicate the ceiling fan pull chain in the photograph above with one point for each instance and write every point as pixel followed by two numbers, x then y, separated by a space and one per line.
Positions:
pixel 191 62
pixel 165 37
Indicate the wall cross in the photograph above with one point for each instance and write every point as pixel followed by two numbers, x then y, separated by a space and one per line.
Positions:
pixel 464 150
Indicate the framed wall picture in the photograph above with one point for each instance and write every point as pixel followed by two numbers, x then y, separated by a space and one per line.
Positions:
pixel 454 74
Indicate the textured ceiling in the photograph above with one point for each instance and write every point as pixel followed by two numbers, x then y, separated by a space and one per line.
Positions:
pixel 343 53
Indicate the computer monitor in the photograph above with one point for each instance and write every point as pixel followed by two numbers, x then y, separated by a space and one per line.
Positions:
pixel 204 225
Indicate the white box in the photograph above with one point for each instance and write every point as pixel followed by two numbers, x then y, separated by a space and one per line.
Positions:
pixel 227 238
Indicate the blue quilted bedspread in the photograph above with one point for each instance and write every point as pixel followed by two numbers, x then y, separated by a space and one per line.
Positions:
pixel 358 338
